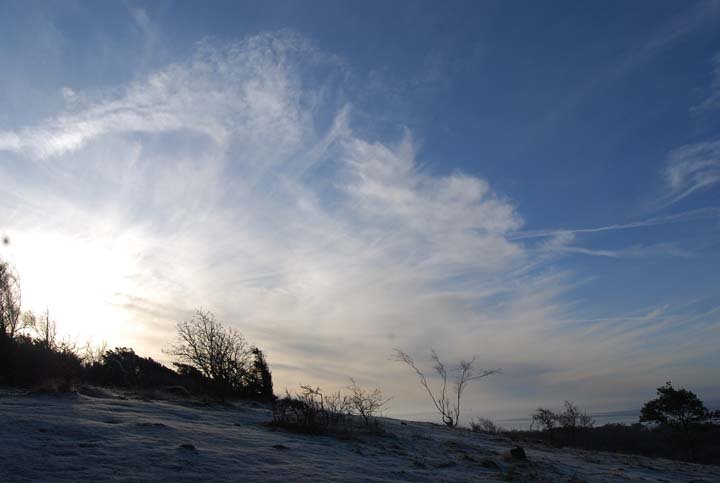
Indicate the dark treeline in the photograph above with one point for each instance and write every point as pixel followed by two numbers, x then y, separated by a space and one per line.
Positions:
pixel 675 425
pixel 28 362
pixel 660 441
pixel 210 359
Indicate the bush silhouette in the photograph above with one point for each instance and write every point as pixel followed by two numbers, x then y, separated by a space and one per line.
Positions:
pixel 222 356
pixel 678 408
pixel 121 367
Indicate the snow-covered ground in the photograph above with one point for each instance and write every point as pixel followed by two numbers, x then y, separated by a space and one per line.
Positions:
pixel 76 437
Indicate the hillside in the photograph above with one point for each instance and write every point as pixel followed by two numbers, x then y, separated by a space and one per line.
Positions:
pixel 109 437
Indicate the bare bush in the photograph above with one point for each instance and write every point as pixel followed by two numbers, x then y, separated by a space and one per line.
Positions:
pixel 464 373
pixel 571 418
pixel 482 425
pixel 221 354
pixel 43 326
pixel 311 411
pixel 93 354
pixel 543 419
pixel 365 403
pixel 337 404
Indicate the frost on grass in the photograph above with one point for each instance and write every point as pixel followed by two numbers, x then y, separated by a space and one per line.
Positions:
pixel 80 438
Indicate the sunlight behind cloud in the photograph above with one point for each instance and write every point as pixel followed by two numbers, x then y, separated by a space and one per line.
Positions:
pixel 75 278
pixel 232 180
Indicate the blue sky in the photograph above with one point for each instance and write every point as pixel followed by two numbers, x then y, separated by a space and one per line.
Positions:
pixel 534 183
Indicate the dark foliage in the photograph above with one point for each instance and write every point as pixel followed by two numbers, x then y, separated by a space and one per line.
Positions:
pixel 659 441
pixel 299 415
pixel 570 418
pixel 681 429
pixel 259 383
pixel 312 412
pixel 211 358
pixel 482 425
pixel 123 368
pixel 30 362
pixel 228 365
pixel 678 408
pixel 9 301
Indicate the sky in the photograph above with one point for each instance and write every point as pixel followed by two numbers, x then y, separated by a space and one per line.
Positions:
pixel 536 184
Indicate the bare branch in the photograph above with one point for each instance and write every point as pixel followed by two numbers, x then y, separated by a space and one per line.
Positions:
pixel 464 374
pixel 221 354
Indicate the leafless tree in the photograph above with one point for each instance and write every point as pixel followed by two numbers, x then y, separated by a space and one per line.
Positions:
pixel 337 404
pixel 92 354
pixel 571 417
pixel 10 298
pixel 464 373
pixel 364 402
pixel 543 419
pixel 221 354
pixel 43 326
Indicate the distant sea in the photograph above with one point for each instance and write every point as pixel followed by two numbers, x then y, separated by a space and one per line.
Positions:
pixel 630 416
pixel 613 417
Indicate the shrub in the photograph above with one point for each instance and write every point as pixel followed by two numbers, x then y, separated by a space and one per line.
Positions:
pixel 571 418
pixel 365 403
pixel 310 411
pixel 543 419
pixel 658 442
pixel 678 408
pixel 464 374
pixel 121 367
pixel 258 384
pixel 29 362
pixel 304 413
pixel 482 425
pixel 223 357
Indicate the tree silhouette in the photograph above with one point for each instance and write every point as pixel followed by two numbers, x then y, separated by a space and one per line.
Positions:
pixel 677 408
pixel 464 374
pixel 259 382
pixel 9 301
pixel 221 354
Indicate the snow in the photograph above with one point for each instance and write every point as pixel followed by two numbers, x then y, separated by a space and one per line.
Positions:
pixel 108 437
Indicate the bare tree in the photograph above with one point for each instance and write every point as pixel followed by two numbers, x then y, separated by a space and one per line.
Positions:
pixel 572 417
pixel 221 354
pixel 10 298
pixel 464 373
pixel 364 402
pixel 93 354
pixel 43 326
pixel 543 419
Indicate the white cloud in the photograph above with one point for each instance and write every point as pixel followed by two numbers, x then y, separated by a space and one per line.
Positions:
pixel 692 168
pixel 565 233
pixel 214 182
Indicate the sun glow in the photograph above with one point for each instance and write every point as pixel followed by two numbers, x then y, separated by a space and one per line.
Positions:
pixel 76 278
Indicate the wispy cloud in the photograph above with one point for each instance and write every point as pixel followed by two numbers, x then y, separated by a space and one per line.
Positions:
pixel 634 251
pixel 231 180
pixel 239 199
pixel 687 216
pixel 692 168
